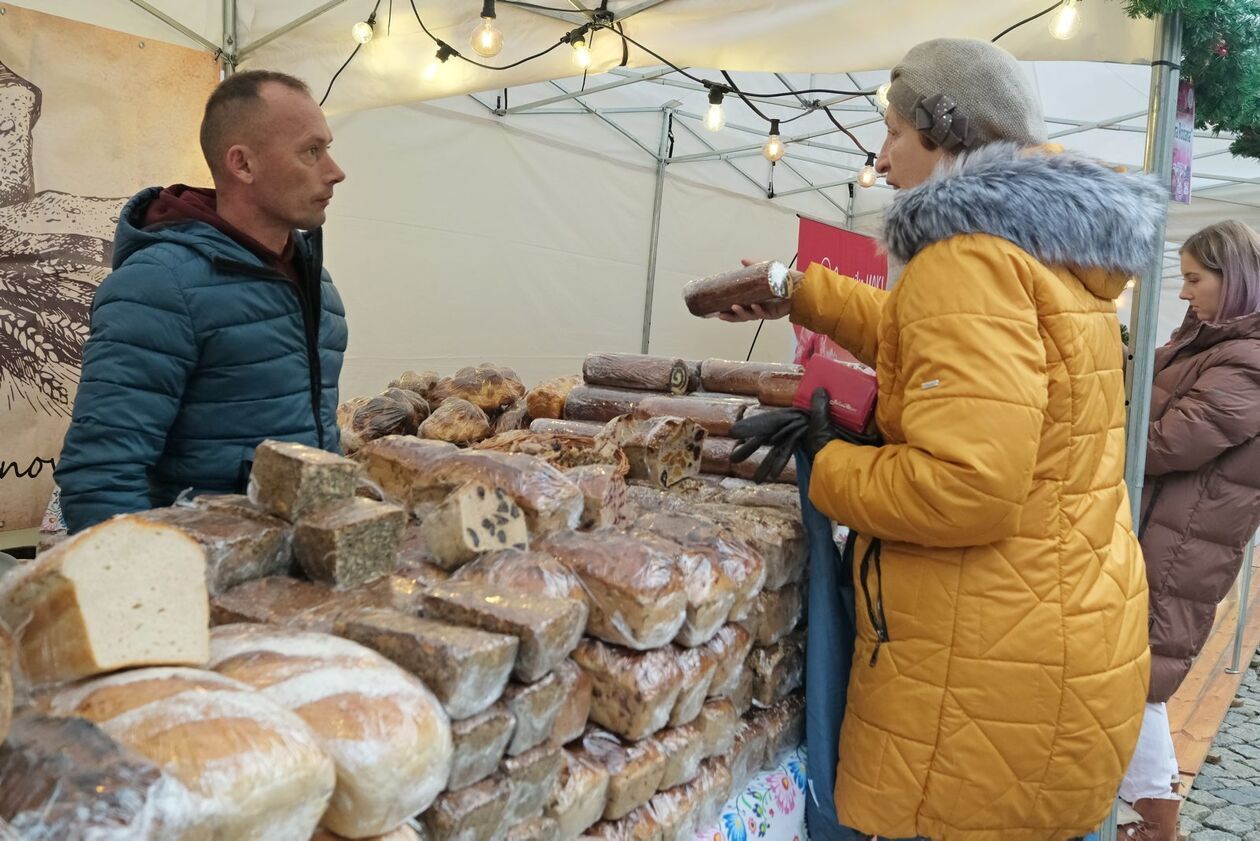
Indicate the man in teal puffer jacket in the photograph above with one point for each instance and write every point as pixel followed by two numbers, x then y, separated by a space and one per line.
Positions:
pixel 218 327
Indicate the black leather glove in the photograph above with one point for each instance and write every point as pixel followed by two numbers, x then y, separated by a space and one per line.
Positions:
pixel 783 430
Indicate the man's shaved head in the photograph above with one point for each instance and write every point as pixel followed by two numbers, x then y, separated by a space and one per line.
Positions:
pixel 234 107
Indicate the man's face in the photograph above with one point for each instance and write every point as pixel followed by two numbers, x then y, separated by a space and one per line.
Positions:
pixel 293 172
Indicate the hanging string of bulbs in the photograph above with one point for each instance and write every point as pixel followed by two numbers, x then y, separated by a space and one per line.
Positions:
pixel 487 40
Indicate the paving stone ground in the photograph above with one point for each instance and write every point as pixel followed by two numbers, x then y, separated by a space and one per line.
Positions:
pixel 1224 804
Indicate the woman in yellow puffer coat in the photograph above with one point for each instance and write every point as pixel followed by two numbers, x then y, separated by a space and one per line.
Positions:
pixel 1001 669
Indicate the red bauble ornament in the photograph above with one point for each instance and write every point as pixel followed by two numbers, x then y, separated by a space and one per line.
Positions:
pixel 1222 48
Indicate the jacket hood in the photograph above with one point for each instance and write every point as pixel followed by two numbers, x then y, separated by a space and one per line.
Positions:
pixel 1199 335
pixel 1063 209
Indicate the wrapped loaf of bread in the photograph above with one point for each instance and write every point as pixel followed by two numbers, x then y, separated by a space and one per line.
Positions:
pixel 348 543
pixel 419 406
pixel 535 707
pixel 633 586
pixel 466 668
pixel 731 645
pixel 546 400
pixel 386 733
pixel 717 726
pixel 605 494
pixel 65 778
pixel 683 748
pixel 531 779
pixel 420 382
pixel 559 450
pixel 580 797
pixel 784 724
pixel 238 548
pixel 742 693
pixel 8 657
pixel 535 829
pixel 588 429
pixel 456 421
pixel 675 811
pixel 777 671
pixel 476 518
pixel 662 451
pixel 420 474
pixel 633 693
pixel 303 605
pixel 597 404
pixel 639 372
pixel 512 418
pixel 761 283
pixel 386 414
pixel 712 788
pixel 639 825
pixel 698 666
pixel 778 388
pixel 577 690
pixel 743 492
pixel 748 753
pixel 474 813
pixel 634 769
pixel 779 538
pixel 127 592
pixel 531 573
pixel 775 614
pixel 747 469
pixel 715 455
pixel 715 413
pixel 490 388
pixel 480 743
pixel 253 769
pixel 548 628
pixel 403 833
pixel 289 479
pixel 727 377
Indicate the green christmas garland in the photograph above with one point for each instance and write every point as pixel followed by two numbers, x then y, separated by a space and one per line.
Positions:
pixel 1221 55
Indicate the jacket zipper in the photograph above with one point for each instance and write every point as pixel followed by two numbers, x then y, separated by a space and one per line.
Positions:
pixel 309 311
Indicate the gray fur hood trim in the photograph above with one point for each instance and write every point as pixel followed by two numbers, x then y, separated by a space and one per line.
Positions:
pixel 1063 209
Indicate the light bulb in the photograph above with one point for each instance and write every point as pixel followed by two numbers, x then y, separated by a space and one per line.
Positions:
pixel 773 150
pixel 1066 21
pixel 434 67
pixel 487 39
pixel 362 31
pixel 715 117
pixel 868 176
pixel 881 95
pixel 581 54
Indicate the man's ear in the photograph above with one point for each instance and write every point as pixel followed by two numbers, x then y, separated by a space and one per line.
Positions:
pixel 239 163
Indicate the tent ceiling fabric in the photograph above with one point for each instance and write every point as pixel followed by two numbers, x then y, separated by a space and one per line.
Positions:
pixel 787 36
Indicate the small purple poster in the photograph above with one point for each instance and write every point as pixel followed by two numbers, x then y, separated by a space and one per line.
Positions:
pixel 1183 143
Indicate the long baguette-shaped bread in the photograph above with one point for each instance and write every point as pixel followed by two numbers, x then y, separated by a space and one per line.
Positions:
pixel 598 404
pixel 716 413
pixel 127 592
pixel 727 377
pixel 637 371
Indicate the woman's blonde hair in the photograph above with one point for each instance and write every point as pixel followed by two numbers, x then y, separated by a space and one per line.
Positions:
pixel 1232 250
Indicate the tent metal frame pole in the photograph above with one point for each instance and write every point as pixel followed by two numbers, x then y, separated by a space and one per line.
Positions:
pixel 1244 607
pixel 649 295
pixel 287 28
pixel 227 57
pixel 177 26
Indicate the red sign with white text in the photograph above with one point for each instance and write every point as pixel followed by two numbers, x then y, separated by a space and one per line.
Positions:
pixel 846 253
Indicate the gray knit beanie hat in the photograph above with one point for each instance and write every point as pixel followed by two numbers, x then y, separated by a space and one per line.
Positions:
pixel 963 93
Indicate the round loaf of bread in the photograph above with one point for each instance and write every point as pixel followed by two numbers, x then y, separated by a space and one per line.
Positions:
pixel 488 387
pixel 456 421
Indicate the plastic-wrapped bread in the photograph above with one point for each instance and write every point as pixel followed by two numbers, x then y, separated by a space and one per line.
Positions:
pixel 512 418
pixel 588 429
pixel 731 645
pixel 254 769
pixel 238 548
pixel 698 666
pixel 546 400
pixel 580 796
pixel 776 614
pixel 598 404
pixel 385 415
pixel 777 671
pixel 675 811
pixel 548 628
pixel 476 518
pixel 784 724
pixel 575 707
pixel 348 543
pixel 639 372
pixel 760 283
pixel 715 455
pixel 778 388
pixel 633 693
pixel 65 778
pixel 531 573
pixel 420 382
pixel 634 770
pixel 8 656
pixel 741 694
pixel 456 421
pixel 466 668
pixel 288 479
pixel 490 388
pixel 562 451
pixel 474 813
pixel 387 734
pixel 480 743
pixel 531 779
pixel 535 707
pixel 683 748
pixel 713 788
pixel 419 406
pixel 710 591
pixel 419 474
pixel 715 413
pixel 662 451
pixel 535 829
pixel 605 493
pixel 748 752
pixel 728 377
pixel 633 585
pixel 744 492
pixel 640 825
pixel 747 469
pixel 238 505
pixel 778 537
pixel 127 592
pixel 717 725
pixel 402 833
pixel 304 605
